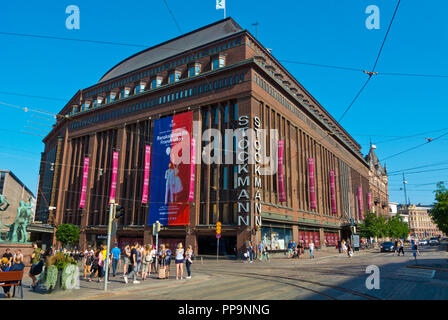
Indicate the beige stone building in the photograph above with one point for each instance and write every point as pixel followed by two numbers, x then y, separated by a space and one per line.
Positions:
pixel 14 191
pixel 420 221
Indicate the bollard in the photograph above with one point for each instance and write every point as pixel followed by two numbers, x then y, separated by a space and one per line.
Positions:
pixel 202 261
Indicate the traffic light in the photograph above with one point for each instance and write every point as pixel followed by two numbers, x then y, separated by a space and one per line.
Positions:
pixel 156 227
pixel 119 212
pixel 218 229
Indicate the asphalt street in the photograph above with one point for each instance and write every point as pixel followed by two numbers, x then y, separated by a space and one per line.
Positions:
pixel 333 276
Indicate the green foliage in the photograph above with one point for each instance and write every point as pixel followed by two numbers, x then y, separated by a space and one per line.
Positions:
pixel 51 277
pixel 69 276
pixel 67 234
pixel 61 261
pixel 373 226
pixel 439 213
pixel 397 228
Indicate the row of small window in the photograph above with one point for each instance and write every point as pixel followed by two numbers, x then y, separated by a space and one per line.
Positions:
pixel 207 87
pixel 277 96
pixel 174 76
pixel 167 66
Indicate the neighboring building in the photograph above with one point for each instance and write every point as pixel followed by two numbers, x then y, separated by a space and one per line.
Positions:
pixel 393 208
pixel 396 208
pixel 379 193
pixel 14 191
pixel 222 76
pixel 420 221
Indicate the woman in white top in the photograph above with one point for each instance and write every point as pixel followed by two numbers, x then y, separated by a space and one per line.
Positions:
pixel 179 261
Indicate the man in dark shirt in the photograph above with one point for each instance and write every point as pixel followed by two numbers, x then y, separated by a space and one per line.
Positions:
pixel 8 255
pixel 132 265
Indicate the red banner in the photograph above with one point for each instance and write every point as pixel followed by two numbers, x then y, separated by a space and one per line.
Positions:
pixel 369 200
pixel 332 193
pixel 360 202
pixel 192 168
pixel 82 202
pixel 281 186
pixel 311 181
pixel 113 186
pixel 146 175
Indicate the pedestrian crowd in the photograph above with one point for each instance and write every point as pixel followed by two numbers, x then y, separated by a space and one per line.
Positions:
pixel 138 261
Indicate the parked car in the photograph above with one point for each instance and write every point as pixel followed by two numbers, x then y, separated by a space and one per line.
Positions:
pixel 434 242
pixel 387 246
pixel 423 242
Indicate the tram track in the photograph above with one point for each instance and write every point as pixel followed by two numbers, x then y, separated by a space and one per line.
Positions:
pixel 287 280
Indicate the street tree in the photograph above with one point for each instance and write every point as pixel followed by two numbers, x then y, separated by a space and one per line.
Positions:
pixel 397 228
pixel 67 234
pixel 373 226
pixel 439 213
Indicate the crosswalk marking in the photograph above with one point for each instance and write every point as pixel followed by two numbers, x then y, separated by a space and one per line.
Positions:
pixel 418 273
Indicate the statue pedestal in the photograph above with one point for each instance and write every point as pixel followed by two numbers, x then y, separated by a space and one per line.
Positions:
pixel 26 248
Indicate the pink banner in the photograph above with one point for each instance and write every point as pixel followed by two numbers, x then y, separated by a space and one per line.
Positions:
pixel 146 175
pixel 113 186
pixel 369 200
pixel 192 168
pixel 82 202
pixel 281 186
pixel 311 181
pixel 360 202
pixel 332 193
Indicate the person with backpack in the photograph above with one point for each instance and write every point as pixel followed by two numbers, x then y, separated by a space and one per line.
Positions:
pixel 188 260
pixel 146 262
pixel 88 261
pixel 265 253
pixel 95 265
pixel 162 262
pixel 168 254
pixel 139 251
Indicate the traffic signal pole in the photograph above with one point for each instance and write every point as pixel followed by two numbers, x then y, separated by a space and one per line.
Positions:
pixel 109 231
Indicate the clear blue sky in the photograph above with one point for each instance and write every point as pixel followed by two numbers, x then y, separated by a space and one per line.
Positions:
pixel 321 31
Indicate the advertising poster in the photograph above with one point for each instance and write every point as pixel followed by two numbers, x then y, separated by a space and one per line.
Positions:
pixel 170 176
pixel 146 175
pixel 311 182
pixel 316 239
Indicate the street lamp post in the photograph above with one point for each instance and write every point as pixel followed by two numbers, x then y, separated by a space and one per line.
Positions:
pixel 109 231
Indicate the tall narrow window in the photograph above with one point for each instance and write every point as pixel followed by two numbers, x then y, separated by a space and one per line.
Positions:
pixel 225 178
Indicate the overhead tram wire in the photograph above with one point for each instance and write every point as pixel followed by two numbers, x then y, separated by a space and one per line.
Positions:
pixel 172 16
pixel 372 72
pixel 415 147
pixel 31 96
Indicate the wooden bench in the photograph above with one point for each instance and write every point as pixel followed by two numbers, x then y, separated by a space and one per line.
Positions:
pixel 15 279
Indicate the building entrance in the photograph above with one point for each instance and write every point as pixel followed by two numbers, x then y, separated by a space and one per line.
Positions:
pixel 207 245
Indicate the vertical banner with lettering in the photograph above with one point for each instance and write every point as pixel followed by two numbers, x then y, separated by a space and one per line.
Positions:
pixel 311 181
pixel 369 200
pixel 146 174
pixel 171 170
pixel 113 186
pixel 332 193
pixel 281 186
pixel 85 174
pixel 192 168
pixel 360 202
